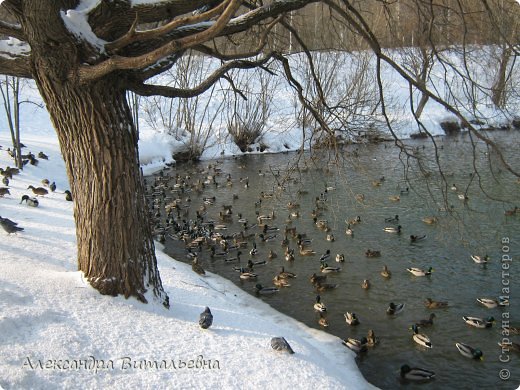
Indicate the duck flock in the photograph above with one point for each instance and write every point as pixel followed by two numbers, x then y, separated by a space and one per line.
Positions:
pixel 186 212
pixel 9 175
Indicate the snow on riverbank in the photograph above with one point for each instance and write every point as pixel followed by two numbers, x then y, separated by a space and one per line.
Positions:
pixel 57 332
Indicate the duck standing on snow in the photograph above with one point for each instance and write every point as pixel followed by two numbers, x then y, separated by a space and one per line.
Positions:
pixel 33 202
pixel 469 352
pixel 206 318
pixel 280 344
pixel 38 191
pixel 10 226
pixel 68 196
pixel 4 191
pixel 196 267
pixel 416 374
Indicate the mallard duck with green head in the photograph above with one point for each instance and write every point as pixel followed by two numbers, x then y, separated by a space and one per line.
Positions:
pixel 420 272
pixel 469 352
pixel 479 322
pixel 319 305
pixel 420 338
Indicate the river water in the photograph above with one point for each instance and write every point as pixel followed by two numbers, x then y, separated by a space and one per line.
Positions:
pixel 363 181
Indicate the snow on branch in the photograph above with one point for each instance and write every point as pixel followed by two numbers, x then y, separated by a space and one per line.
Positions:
pixel 13 48
pixel 114 63
pixel 76 21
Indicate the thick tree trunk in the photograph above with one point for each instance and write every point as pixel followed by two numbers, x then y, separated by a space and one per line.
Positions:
pixel 99 144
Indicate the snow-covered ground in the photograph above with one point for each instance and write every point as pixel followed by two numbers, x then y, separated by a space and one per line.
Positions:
pixel 57 332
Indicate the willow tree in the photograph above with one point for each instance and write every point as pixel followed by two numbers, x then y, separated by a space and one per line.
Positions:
pixel 84 56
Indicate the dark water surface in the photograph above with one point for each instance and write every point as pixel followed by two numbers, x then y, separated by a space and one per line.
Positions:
pixel 476 226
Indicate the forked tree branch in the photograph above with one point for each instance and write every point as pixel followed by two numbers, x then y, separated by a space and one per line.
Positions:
pixel 88 73
pixel 133 35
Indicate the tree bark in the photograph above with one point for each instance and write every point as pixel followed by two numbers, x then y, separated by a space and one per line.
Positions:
pixel 498 90
pixel 98 141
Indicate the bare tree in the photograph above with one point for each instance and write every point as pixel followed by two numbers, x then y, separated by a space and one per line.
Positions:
pixel 10 90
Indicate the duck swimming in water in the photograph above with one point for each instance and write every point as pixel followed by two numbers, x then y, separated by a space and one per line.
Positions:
pixel 391 229
pixel 265 290
pixel 371 253
pixel 414 238
pixel 480 259
pixel 326 269
pixel 489 303
pixel 358 346
pixel 479 322
pixel 421 338
pixel 392 219
pixel 425 323
pixel 394 309
pixel 431 304
pixel 385 273
pixel 315 279
pixel 416 374
pixel 469 352
pixel 419 272
pixel 319 306
pixel 351 318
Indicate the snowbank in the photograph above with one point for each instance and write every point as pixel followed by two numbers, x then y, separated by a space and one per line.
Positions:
pixel 57 332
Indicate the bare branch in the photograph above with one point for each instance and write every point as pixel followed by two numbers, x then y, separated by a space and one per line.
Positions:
pixel 262 41
pixel 133 35
pixel 88 73
pixel 149 90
